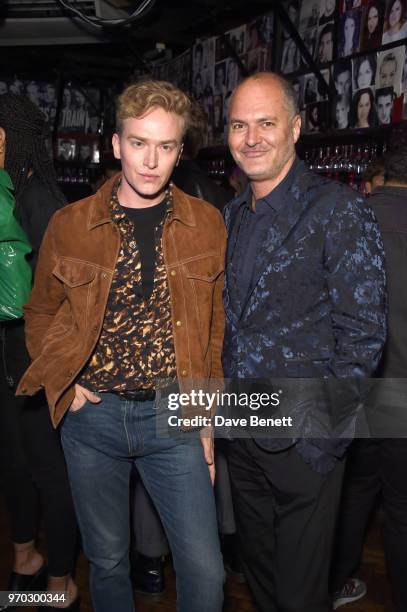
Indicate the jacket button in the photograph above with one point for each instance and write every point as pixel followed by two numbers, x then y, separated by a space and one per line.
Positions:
pixel 70 374
pixel 178 323
pixel 173 273
pixel 23 391
pixel 184 372
pixel 104 275
pixel 95 328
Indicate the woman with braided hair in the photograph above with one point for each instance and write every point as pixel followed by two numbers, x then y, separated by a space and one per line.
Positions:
pixel 31 460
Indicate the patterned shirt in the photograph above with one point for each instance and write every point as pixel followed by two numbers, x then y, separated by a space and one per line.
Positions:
pixel 136 346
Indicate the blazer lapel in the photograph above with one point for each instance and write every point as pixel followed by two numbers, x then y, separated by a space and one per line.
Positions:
pixel 294 204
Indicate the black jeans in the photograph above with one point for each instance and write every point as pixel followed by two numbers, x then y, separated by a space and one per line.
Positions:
pixel 374 467
pixel 32 463
pixel 285 517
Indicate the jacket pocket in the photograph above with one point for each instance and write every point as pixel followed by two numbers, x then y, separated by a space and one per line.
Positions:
pixel 201 275
pixel 205 269
pixel 74 272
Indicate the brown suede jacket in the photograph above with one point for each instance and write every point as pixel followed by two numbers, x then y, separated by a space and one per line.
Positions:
pixel 65 313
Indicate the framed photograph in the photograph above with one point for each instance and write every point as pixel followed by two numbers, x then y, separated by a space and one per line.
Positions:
pixel 310 90
pixel 297 85
pixel 66 149
pixel 290 59
pixel 364 70
pixel 341 112
pixel 342 78
pixel 349 33
pixel 325 45
pixel 326 11
pixel 372 25
pixel 309 38
pixel 390 66
pixel 237 39
pixel 363 110
pixel 220 78
pixel 384 99
pixel 316 117
pixel 309 16
pixel 395 23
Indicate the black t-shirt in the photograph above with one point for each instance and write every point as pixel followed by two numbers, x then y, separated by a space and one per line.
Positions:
pixel 147 232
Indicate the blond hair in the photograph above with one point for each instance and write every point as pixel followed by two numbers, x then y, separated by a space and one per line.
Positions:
pixel 136 100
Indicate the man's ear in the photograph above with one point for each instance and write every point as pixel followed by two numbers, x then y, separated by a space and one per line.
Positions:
pixel 2 147
pixel 116 145
pixel 296 127
pixel 179 154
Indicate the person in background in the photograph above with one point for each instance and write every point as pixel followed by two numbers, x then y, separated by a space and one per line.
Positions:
pixel 31 457
pixel 374 175
pixel 15 271
pixel 188 175
pixel 377 466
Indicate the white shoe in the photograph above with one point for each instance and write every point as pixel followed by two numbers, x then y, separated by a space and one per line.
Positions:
pixel 352 590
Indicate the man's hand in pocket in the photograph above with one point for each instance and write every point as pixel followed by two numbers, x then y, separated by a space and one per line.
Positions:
pixel 82 396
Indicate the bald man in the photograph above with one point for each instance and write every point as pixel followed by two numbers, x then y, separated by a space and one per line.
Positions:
pixel 304 302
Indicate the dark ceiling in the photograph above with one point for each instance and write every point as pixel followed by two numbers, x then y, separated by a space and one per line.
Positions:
pixel 177 23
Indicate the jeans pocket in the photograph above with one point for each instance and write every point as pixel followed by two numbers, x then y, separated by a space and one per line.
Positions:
pixel 79 410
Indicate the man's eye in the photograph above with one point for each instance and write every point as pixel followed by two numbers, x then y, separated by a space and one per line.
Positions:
pixel 136 143
pixel 237 126
pixel 166 147
pixel 267 124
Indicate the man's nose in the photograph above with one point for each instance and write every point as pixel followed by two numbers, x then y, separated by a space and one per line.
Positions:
pixel 151 158
pixel 252 135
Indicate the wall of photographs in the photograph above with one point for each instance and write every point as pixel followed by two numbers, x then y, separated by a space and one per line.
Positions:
pixel 357 44
pixel 210 72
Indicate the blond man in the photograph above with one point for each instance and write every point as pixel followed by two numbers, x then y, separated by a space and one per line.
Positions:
pixel 128 293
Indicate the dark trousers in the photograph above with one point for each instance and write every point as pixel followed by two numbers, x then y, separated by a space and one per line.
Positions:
pixel 32 465
pixel 285 517
pixel 374 467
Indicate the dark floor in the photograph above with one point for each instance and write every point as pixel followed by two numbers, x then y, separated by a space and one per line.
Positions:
pixel 237 597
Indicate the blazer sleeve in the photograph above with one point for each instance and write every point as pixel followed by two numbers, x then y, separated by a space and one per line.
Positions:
pixel 354 263
pixel 47 294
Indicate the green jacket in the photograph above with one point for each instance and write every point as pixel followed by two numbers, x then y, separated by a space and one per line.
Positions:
pixel 15 272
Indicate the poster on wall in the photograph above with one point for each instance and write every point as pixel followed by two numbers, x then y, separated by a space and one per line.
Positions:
pixel 80 110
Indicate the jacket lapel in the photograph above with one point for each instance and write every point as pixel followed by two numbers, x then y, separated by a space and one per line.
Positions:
pixel 295 202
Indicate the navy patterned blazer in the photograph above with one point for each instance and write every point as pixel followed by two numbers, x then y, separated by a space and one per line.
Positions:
pixel 317 308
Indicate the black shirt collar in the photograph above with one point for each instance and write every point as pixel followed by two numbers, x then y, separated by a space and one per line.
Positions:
pixel 274 199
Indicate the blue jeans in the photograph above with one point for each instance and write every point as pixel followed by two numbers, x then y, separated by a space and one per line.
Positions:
pixel 101 441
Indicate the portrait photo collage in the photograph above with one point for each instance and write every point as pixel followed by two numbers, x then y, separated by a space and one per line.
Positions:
pixel 345 39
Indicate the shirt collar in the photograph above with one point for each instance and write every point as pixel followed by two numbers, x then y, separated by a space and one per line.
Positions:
pixel 274 199
pixel 117 213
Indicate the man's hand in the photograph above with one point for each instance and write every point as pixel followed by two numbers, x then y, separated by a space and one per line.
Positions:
pixel 82 396
pixel 208 448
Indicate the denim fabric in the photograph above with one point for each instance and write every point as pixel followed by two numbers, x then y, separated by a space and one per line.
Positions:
pixel 101 441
